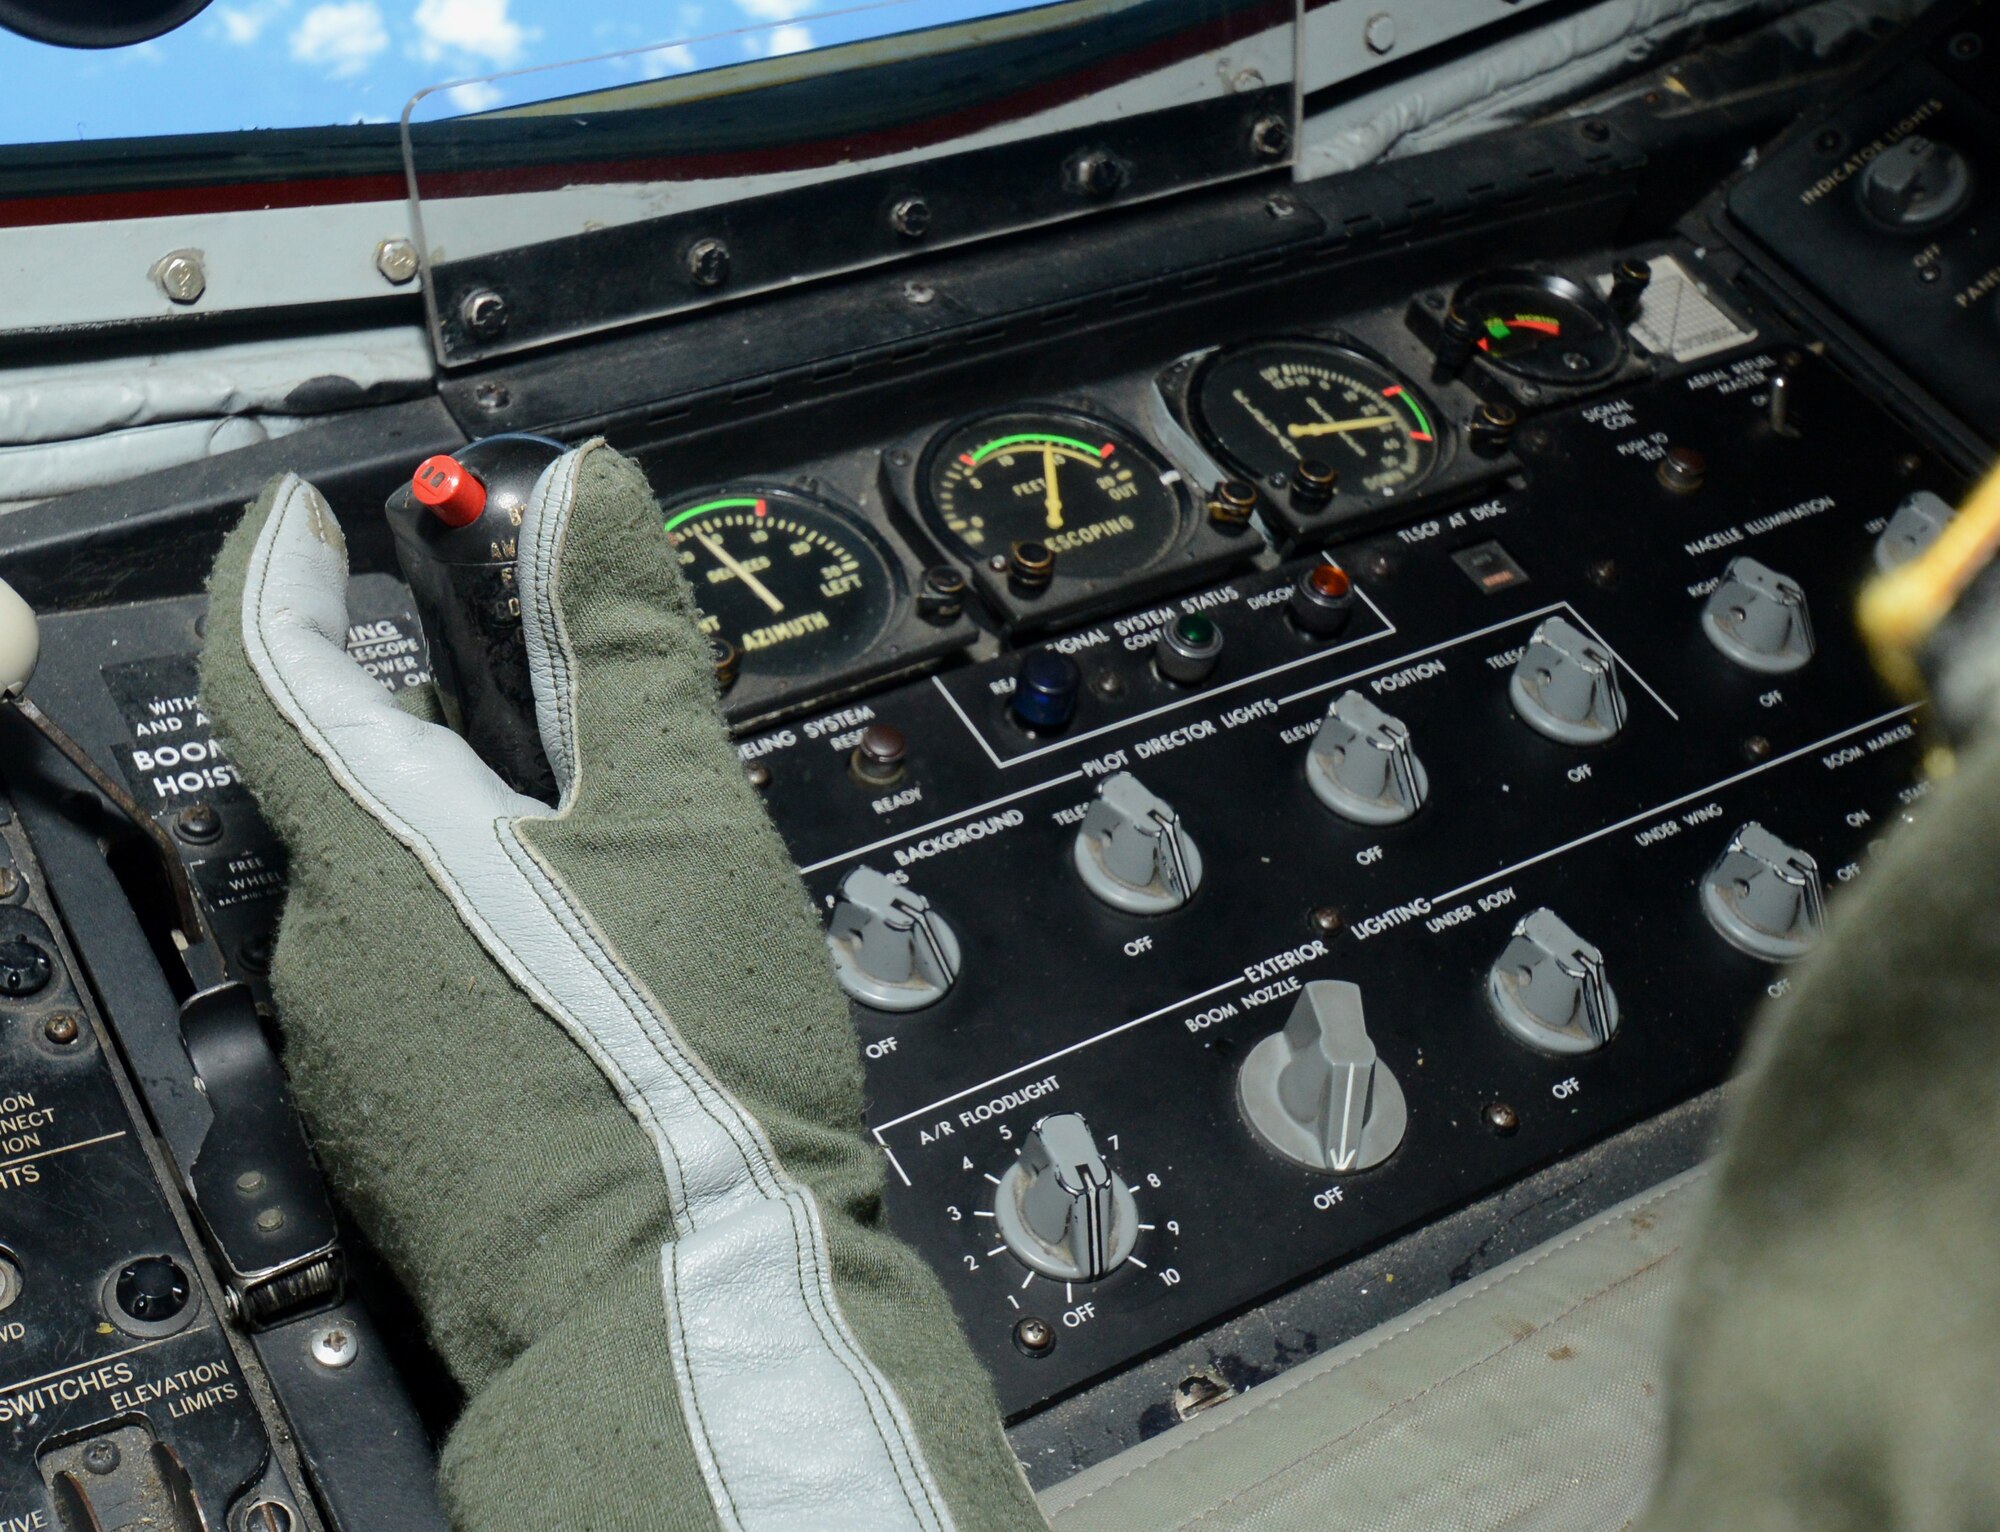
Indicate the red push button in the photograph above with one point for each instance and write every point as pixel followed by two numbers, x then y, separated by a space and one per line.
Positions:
pixel 447 487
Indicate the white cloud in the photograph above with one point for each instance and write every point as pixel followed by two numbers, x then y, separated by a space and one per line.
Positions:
pixel 790 38
pixel 476 96
pixel 658 63
pixel 773 10
pixel 340 37
pixel 244 24
pixel 481 29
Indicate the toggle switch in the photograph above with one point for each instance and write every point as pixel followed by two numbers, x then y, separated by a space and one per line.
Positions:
pixel 890 949
pixel 1061 1208
pixel 1565 685
pixel 1764 896
pixel 1317 1092
pixel 1361 765
pixel 1757 617
pixel 1549 989
pixel 1132 852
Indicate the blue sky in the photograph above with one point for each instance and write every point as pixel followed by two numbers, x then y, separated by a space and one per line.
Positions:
pixel 303 63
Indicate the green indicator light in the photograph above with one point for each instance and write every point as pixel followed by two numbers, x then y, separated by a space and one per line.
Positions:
pixel 1001 444
pixel 746 502
pixel 1196 631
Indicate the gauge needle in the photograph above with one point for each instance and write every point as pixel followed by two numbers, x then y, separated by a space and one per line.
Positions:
pixel 1334 427
pixel 1053 499
pixel 722 557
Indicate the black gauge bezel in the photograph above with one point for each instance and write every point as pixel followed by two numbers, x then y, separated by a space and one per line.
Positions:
pixel 1212 442
pixel 1129 438
pixel 854 526
pixel 1560 289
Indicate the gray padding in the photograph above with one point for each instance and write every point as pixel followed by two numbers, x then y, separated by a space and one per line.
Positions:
pixel 1527 1400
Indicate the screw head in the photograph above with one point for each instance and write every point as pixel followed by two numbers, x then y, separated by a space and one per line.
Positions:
pixel 911 218
pixel 271 1220
pixel 181 275
pixel 1108 683
pixel 1596 131
pixel 758 775
pixel 1270 137
pixel 919 293
pixel 708 262
pixel 1379 32
pixel 335 1346
pixel 1603 573
pixel 62 1029
pixel 1756 748
pixel 1283 205
pixel 269 1516
pixel 101 1457
pixel 1035 1336
pixel 396 259
pixel 1097 174
pixel 1325 919
pixel 484 313
pixel 198 824
pixel 492 396
pixel 1501 1118
pixel 10 882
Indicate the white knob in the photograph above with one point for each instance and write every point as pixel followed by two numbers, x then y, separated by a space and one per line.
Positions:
pixel 20 643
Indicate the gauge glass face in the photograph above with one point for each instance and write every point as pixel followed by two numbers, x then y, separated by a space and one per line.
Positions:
pixel 1082 486
pixel 1269 405
pixel 796 585
pixel 1543 328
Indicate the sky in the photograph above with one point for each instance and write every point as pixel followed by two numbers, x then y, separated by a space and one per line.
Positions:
pixel 306 63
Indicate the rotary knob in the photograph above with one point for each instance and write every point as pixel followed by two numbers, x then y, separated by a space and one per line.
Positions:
pixel 1565 685
pixel 1061 1209
pixel 1919 520
pixel 1549 988
pixel 1317 1092
pixel 1764 896
pixel 1757 617
pixel 1361 765
pixel 1916 184
pixel 890 949
pixel 1132 852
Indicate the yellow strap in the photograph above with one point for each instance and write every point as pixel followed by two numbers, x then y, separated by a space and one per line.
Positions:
pixel 1899 610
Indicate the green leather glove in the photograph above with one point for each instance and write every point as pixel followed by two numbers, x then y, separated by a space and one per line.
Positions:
pixel 583 1074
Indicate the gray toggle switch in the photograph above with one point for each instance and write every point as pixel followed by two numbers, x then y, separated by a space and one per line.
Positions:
pixel 1549 988
pixel 1132 852
pixel 1565 685
pixel 890 949
pixel 1061 1209
pixel 1765 896
pixel 1757 617
pixel 1316 1092
pixel 1362 767
pixel 1919 520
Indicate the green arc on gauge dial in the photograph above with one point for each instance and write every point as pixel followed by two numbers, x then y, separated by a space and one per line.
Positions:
pixel 1037 439
pixel 730 503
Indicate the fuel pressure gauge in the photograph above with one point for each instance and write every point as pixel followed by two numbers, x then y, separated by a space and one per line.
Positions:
pixel 1541 327
pixel 798 586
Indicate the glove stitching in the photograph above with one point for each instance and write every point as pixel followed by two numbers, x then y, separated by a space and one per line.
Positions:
pixel 1492 1280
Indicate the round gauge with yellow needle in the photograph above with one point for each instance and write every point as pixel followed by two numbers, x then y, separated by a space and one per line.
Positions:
pixel 1266 406
pixel 794 583
pixel 1079 484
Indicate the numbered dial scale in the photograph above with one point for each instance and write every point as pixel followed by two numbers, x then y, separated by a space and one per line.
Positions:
pixel 1080 485
pixel 797 585
pixel 1265 407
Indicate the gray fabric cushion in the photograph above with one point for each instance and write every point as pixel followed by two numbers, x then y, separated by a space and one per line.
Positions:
pixel 1528 1399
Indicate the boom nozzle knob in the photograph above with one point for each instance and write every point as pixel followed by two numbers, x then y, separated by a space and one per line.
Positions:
pixel 1317 1092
